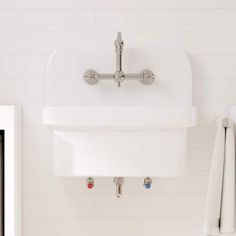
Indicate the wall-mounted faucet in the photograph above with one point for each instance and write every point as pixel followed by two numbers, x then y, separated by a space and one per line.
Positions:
pixel 145 76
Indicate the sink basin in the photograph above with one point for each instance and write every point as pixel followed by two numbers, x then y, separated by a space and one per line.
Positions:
pixel 119 141
pixel 136 130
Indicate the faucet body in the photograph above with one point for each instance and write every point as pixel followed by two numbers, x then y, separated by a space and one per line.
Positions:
pixel 145 76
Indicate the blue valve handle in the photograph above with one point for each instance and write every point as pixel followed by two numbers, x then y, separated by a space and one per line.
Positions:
pixel 147 186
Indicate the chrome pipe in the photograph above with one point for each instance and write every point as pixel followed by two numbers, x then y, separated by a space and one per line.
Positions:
pixel 119 181
pixel 106 76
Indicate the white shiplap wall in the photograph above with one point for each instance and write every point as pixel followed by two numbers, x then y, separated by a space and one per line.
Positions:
pixel 31 29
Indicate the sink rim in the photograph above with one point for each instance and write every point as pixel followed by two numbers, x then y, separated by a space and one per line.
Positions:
pixel 114 117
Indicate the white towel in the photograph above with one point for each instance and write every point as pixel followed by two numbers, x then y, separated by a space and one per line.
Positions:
pixel 220 205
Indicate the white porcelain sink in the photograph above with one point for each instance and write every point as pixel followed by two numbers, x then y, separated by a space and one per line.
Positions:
pixel 119 141
pixel 135 130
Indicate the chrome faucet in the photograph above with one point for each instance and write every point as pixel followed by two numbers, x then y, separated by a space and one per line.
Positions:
pixel 145 76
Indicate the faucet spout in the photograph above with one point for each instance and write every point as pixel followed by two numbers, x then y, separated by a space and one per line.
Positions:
pixel 119 74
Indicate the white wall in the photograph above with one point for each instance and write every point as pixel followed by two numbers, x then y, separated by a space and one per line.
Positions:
pixel 31 29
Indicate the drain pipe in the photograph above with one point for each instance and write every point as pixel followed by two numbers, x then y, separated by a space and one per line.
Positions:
pixel 119 181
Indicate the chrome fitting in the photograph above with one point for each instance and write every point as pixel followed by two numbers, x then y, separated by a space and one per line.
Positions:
pixel 226 123
pixel 119 43
pixel 119 181
pixel 147 183
pixel 146 76
pixel 91 77
pixel 90 183
pixel 119 77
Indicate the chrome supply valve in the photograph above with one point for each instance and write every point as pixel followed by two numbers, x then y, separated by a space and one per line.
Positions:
pixel 90 183
pixel 119 181
pixel 147 183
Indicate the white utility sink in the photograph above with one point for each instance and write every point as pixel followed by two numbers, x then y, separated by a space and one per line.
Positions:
pixel 135 130
pixel 122 141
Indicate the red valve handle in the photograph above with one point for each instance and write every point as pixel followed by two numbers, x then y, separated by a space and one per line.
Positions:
pixel 90 185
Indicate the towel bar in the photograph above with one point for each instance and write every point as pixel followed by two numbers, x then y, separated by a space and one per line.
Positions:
pixel 226 122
